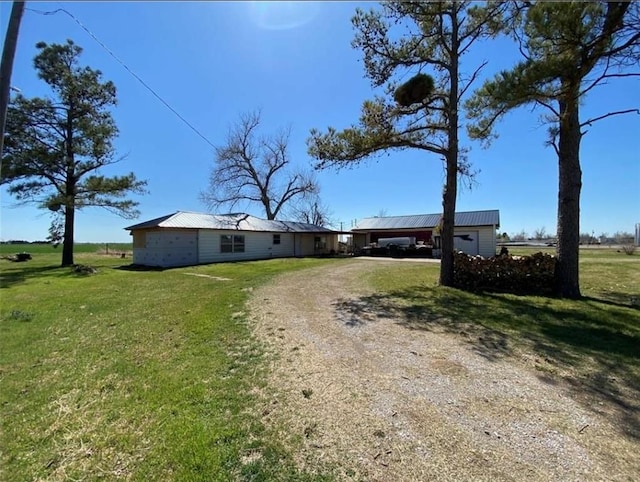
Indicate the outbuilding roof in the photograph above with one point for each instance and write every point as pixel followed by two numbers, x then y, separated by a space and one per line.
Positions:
pixel 227 222
pixel 418 221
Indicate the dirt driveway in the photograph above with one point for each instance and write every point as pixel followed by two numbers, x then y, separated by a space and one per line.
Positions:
pixel 381 402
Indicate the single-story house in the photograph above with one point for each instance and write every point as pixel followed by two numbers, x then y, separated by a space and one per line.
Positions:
pixel 187 238
pixel 475 231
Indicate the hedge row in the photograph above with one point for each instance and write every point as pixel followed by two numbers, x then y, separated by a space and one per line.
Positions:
pixel 532 274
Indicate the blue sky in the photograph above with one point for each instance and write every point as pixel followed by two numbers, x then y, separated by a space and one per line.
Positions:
pixel 212 61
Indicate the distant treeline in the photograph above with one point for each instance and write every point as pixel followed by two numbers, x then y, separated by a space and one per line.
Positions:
pixel 20 241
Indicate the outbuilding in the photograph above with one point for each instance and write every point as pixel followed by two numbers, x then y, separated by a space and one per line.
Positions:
pixel 187 238
pixel 474 233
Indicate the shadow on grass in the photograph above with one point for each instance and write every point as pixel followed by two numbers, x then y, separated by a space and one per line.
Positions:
pixel 623 300
pixel 140 267
pixel 592 345
pixel 22 272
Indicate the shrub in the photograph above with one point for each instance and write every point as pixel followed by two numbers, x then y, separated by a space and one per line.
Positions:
pixel 629 249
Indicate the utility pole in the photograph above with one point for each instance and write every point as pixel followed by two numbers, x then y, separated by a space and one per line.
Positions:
pixel 8 54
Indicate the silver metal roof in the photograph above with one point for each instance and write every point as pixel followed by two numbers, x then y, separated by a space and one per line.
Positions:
pixel 419 221
pixel 227 222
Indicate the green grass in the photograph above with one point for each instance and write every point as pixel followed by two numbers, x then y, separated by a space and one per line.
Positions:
pixel 154 375
pixel 79 248
pixel 145 375
pixel 592 344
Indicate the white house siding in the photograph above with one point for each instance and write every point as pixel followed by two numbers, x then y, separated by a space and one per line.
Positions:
pixel 487 241
pixel 483 241
pixel 469 244
pixel 257 245
pixel 166 248
pixel 307 244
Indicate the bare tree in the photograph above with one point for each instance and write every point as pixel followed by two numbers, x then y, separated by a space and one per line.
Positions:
pixel 540 233
pixel 255 169
pixel 521 236
pixel 312 210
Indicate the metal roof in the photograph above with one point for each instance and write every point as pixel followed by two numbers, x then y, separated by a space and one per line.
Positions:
pixel 227 222
pixel 418 221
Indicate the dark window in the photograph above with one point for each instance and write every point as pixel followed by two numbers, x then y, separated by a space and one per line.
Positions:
pixel 231 244
pixel 226 243
pixel 238 243
pixel 276 239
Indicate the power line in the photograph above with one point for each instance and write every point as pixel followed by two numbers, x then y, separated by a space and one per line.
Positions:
pixel 53 12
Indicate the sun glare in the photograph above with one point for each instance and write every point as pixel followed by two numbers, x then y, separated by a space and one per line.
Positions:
pixel 282 15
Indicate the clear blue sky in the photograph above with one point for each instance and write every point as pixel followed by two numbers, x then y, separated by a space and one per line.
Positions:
pixel 212 61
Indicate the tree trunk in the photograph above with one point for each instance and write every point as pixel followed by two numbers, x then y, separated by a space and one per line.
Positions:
pixel 451 187
pixel 448 221
pixel 70 191
pixel 67 243
pixel 8 54
pixel 570 183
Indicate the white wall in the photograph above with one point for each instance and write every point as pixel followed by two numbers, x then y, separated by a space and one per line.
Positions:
pixel 487 241
pixel 484 241
pixel 469 245
pixel 256 246
pixel 167 248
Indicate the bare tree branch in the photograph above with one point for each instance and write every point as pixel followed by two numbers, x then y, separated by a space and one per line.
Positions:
pixel 610 114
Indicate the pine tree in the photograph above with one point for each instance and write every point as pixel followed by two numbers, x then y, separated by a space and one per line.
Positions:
pixel 55 147
pixel 429 40
pixel 568 48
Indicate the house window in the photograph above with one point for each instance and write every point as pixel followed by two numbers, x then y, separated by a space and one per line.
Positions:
pixel 238 243
pixel 276 239
pixel 232 243
pixel 320 242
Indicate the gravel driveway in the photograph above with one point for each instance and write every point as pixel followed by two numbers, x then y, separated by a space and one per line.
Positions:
pixel 377 401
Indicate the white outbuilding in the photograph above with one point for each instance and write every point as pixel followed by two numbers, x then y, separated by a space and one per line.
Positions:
pixel 188 238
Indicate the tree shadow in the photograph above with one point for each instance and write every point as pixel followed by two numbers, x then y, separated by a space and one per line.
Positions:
pixel 140 267
pixel 22 272
pixel 622 300
pixel 591 346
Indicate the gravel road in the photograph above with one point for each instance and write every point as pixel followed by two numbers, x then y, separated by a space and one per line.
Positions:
pixel 377 401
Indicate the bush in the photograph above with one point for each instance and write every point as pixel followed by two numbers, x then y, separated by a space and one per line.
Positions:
pixel 629 249
pixel 509 274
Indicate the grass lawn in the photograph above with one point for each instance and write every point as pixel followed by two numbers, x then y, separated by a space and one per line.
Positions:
pixel 79 248
pixel 143 375
pixel 151 375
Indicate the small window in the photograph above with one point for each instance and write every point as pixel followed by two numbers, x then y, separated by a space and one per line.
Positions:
pixel 238 243
pixel 226 243
pixel 276 239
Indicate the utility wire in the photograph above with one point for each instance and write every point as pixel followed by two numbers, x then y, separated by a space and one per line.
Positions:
pixel 157 96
